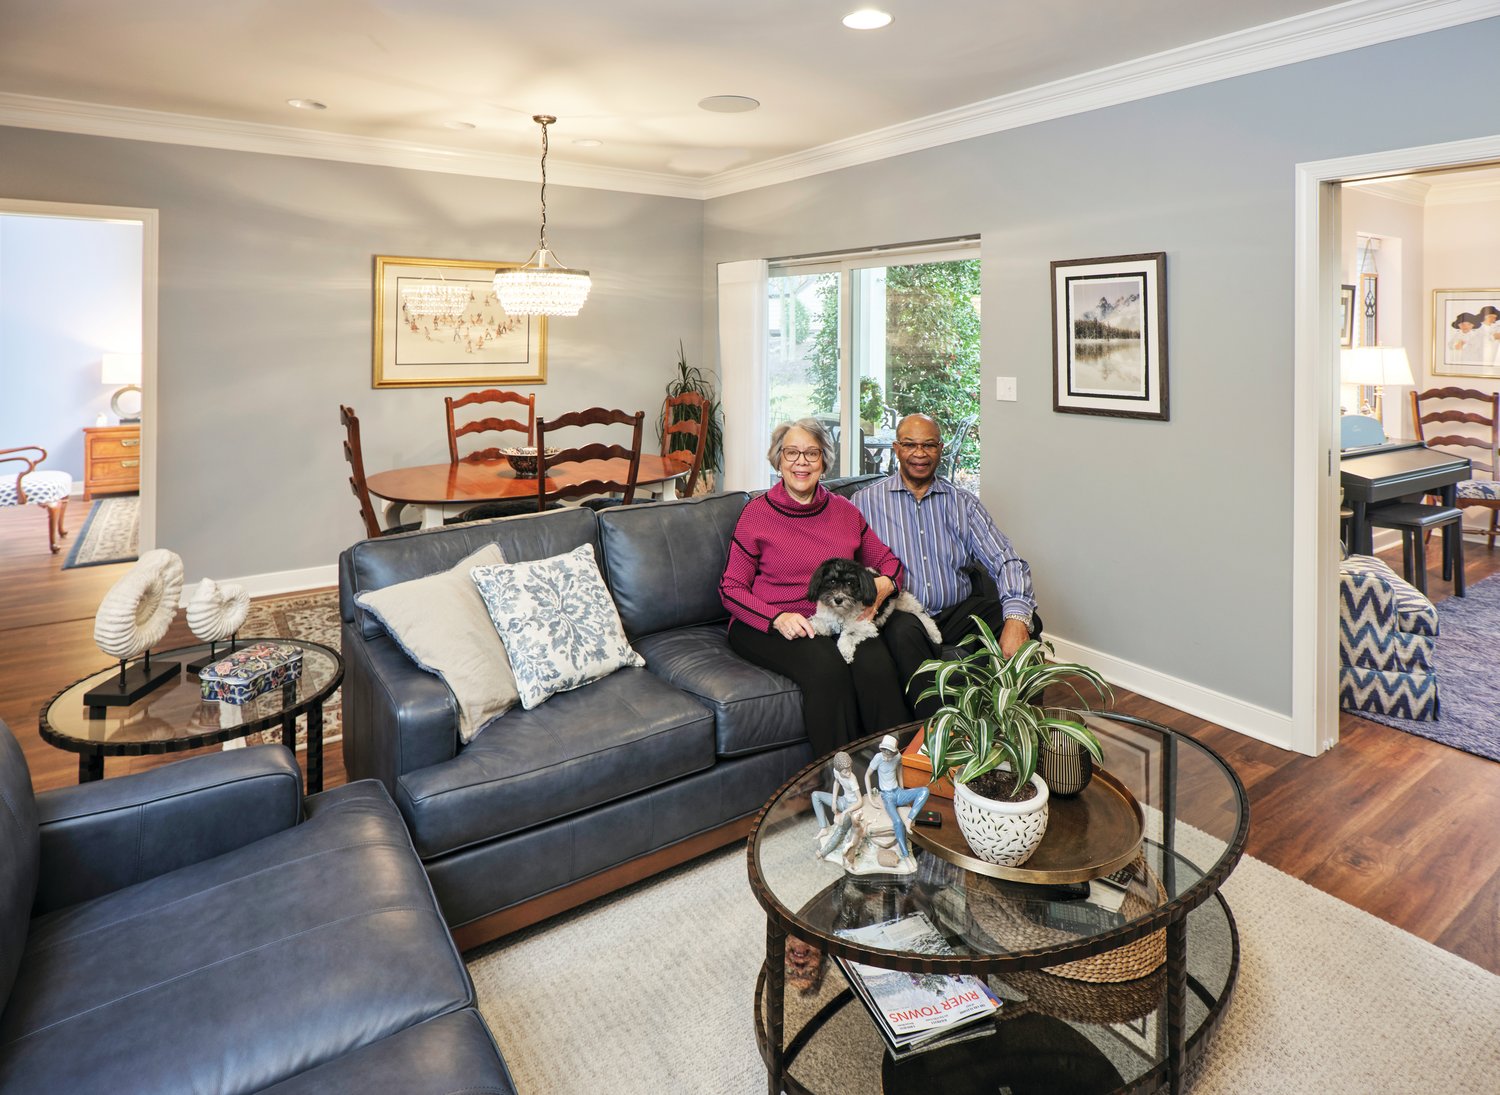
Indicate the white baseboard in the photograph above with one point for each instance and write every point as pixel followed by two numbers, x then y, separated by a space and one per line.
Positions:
pixel 277 582
pixel 1260 723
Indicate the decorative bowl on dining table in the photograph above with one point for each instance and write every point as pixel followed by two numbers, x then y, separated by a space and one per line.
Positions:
pixel 522 459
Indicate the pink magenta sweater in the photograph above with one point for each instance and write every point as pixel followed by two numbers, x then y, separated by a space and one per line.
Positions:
pixel 778 544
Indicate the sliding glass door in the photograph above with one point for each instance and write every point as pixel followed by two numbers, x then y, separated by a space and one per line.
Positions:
pixel 863 341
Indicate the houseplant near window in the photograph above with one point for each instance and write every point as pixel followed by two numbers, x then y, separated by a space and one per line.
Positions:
pixel 690 378
pixel 989 733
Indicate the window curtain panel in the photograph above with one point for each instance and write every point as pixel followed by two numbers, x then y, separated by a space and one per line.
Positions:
pixel 742 373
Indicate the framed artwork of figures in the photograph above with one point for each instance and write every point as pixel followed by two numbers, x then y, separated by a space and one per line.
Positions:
pixel 1466 332
pixel 438 323
pixel 1346 312
pixel 1109 336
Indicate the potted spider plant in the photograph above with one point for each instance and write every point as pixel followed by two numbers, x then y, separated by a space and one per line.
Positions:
pixel 989 734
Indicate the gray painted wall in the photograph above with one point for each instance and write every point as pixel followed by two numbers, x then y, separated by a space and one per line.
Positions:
pixel 1167 544
pixel 70 291
pixel 265 306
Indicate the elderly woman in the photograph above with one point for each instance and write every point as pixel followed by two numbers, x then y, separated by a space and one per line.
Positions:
pixel 781 538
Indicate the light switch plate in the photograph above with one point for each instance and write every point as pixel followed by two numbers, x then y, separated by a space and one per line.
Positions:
pixel 1005 388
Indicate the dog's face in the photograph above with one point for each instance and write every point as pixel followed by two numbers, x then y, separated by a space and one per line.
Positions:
pixel 842 586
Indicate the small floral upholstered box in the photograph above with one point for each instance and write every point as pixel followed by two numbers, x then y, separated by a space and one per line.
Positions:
pixel 247 673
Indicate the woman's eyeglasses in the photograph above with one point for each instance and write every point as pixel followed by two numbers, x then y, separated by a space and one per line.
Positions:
pixel 802 456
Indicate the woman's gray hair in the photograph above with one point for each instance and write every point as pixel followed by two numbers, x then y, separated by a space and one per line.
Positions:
pixel 811 425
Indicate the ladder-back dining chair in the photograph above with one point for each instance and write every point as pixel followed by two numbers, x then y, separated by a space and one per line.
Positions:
pixel 48 489
pixel 489 425
pixel 486 510
pixel 560 460
pixel 354 454
pixel 684 431
pixel 1465 406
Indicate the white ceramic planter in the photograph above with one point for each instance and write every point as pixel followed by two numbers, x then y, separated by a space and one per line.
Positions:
pixel 1003 833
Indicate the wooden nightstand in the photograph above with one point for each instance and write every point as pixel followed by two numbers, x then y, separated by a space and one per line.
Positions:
pixel 111 460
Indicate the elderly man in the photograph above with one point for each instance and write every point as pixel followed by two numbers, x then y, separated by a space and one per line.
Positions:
pixel 938 530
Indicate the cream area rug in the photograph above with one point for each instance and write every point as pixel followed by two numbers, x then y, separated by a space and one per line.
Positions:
pixel 110 533
pixel 651 990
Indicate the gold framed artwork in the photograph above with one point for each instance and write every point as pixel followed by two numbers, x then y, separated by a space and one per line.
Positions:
pixel 438 323
pixel 1466 332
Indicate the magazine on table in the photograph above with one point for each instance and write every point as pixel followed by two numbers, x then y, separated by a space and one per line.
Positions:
pixel 913 1008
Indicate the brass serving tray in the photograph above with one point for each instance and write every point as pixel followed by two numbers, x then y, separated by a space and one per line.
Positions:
pixel 1089 835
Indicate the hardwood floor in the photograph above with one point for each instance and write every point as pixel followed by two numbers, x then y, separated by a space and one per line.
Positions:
pixel 1395 824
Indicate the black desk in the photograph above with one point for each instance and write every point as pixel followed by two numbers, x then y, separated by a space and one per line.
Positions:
pixel 1399 469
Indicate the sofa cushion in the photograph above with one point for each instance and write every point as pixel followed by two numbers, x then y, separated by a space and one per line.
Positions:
pixel 560 628
pixel 240 971
pixel 663 562
pixel 450 1055
pixel 19 855
pixel 754 708
pixel 375 564
pixel 613 738
pixel 441 623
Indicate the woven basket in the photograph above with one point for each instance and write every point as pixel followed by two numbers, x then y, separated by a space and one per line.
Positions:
pixel 1087 1002
pixel 1004 917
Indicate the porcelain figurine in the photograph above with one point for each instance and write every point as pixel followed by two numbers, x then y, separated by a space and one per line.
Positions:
pixel 138 609
pixel 216 611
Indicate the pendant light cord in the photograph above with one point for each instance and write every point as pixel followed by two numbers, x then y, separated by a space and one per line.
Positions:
pixel 543 124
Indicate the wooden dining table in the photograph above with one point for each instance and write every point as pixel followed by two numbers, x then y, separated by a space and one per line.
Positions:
pixel 446 490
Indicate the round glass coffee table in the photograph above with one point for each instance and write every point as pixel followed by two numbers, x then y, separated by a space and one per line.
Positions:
pixel 175 717
pixel 1116 991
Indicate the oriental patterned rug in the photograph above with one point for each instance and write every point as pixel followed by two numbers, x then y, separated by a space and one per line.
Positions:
pixel 312 616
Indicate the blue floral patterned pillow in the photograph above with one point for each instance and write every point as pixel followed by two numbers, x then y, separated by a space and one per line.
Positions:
pixel 560 627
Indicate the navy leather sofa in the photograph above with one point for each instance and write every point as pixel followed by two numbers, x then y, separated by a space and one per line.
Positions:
pixel 200 927
pixel 597 787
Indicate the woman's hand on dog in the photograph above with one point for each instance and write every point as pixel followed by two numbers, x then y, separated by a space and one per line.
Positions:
pixel 793 625
pixel 884 587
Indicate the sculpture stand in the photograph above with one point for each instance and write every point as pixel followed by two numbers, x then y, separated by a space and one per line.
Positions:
pixel 198 665
pixel 133 682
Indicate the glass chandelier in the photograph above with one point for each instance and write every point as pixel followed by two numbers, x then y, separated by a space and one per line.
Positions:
pixel 542 286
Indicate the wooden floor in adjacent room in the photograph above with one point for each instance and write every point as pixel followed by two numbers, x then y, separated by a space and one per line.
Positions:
pixel 1395 824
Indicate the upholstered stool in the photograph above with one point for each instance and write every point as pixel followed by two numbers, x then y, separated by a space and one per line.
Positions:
pixel 1387 630
pixel 1414 520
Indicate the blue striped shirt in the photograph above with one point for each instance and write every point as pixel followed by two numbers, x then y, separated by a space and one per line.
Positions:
pixel 940 535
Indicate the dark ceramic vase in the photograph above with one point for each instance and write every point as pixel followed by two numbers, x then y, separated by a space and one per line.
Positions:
pixel 1065 765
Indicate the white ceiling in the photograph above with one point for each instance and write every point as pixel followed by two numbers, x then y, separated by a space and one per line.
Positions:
pixel 628 74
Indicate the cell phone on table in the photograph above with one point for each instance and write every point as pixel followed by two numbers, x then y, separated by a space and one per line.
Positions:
pixel 931 818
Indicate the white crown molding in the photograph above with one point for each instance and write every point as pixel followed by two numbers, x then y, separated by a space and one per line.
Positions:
pixel 1321 33
pixel 1407 189
pixel 1331 30
pixel 129 123
pixel 1460 192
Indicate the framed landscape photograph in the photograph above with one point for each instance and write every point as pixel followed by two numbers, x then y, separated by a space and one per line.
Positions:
pixel 1109 336
pixel 438 323
pixel 1466 332
pixel 1346 312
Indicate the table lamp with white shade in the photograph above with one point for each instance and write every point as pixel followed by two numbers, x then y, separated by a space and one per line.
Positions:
pixel 1376 367
pixel 123 369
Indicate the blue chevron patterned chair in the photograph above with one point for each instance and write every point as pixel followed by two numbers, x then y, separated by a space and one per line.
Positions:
pixel 1386 634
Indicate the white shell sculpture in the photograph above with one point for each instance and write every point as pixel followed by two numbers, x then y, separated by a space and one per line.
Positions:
pixel 216 611
pixel 139 608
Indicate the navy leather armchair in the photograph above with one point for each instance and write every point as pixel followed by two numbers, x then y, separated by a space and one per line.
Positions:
pixel 200 927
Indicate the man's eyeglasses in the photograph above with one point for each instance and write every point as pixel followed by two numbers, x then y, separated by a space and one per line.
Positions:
pixel 922 446
pixel 802 456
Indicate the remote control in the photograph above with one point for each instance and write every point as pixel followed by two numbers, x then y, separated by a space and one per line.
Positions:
pixel 1080 917
pixel 1121 879
pixel 930 818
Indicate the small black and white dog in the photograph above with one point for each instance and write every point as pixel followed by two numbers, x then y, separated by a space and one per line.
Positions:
pixel 843 589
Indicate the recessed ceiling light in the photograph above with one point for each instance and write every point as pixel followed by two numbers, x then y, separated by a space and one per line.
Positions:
pixel 458 125
pixel 588 142
pixel 729 104
pixel 867 19
pixel 307 104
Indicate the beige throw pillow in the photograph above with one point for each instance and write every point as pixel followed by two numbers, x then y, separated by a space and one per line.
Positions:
pixel 442 624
